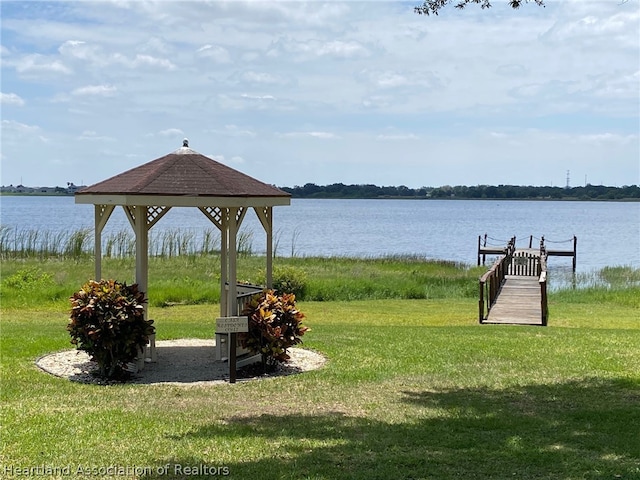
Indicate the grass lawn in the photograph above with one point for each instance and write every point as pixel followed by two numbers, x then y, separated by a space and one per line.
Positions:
pixel 413 389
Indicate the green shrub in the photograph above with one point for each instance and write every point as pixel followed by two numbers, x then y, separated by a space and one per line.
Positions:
pixel 275 324
pixel 28 278
pixel 107 321
pixel 291 280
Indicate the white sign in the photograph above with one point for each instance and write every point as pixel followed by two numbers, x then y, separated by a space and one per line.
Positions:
pixel 232 324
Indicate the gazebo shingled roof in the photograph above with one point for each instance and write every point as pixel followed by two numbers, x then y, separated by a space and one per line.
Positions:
pixel 184 172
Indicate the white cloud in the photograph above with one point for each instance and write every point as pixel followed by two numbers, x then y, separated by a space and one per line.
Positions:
pixel 312 134
pixel 593 26
pixel 90 135
pixel 621 86
pixel 215 52
pixel 341 49
pixel 149 61
pixel 249 96
pixel 234 131
pixel 397 137
pixel 498 134
pixel 389 79
pixel 607 138
pixel 95 90
pixel 11 99
pixel 308 50
pixel 171 132
pixel 37 64
pixel 19 128
pixel 96 55
pixel 260 77
pixel 512 70
pixel 77 49
pixel 380 102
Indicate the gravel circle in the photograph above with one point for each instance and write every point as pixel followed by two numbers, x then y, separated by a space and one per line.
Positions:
pixel 184 362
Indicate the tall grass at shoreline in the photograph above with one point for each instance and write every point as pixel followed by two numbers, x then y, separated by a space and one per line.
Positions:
pixel 22 244
pixel 195 279
pixel 39 266
pixel 75 244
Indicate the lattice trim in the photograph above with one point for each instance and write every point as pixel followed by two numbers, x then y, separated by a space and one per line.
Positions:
pixel 240 215
pixel 154 214
pixel 103 213
pixel 102 209
pixel 217 215
pixel 214 214
pixel 130 211
pixel 264 214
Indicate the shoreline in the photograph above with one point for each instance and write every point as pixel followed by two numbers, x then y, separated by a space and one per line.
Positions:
pixel 388 197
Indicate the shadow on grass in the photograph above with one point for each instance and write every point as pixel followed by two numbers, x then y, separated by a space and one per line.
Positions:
pixel 583 429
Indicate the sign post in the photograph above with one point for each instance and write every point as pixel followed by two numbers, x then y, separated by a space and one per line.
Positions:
pixel 232 326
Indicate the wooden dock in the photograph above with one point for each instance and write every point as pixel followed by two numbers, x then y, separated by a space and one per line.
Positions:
pixel 514 290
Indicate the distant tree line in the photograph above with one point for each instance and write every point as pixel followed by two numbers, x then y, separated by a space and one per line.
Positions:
pixel 588 192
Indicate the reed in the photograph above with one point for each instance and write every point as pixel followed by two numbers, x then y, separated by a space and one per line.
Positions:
pixel 32 243
pixel 42 244
pixel 210 242
pixel 78 243
pixel 245 243
pixel 120 244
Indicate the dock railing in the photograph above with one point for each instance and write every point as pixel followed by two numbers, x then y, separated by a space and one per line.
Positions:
pixel 491 282
pixel 499 248
pixel 558 252
pixel 544 306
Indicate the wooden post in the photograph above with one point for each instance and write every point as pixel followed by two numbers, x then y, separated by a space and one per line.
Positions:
pixel 481 302
pixel 97 243
pixel 101 216
pixel 231 326
pixel 232 303
pixel 266 218
pixel 142 267
pixel 575 252
pixel 543 297
pixel 224 262
pixel 97 249
pixel 232 357
pixel 232 295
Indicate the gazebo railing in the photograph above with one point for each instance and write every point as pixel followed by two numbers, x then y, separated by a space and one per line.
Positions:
pixel 244 294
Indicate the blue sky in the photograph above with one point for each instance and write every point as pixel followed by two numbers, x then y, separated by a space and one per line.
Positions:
pixel 323 92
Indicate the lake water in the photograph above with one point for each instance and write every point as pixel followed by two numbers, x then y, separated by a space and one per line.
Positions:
pixel 608 232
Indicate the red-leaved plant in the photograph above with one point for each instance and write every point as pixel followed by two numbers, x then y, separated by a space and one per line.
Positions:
pixel 275 324
pixel 107 321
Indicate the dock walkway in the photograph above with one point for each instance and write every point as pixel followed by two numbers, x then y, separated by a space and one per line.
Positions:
pixel 514 290
pixel 519 302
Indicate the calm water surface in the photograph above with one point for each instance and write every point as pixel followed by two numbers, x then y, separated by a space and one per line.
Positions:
pixel 608 232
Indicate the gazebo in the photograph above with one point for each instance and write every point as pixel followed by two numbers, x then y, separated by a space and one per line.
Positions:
pixel 186 178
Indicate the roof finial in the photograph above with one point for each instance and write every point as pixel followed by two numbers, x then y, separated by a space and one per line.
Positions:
pixel 185 142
